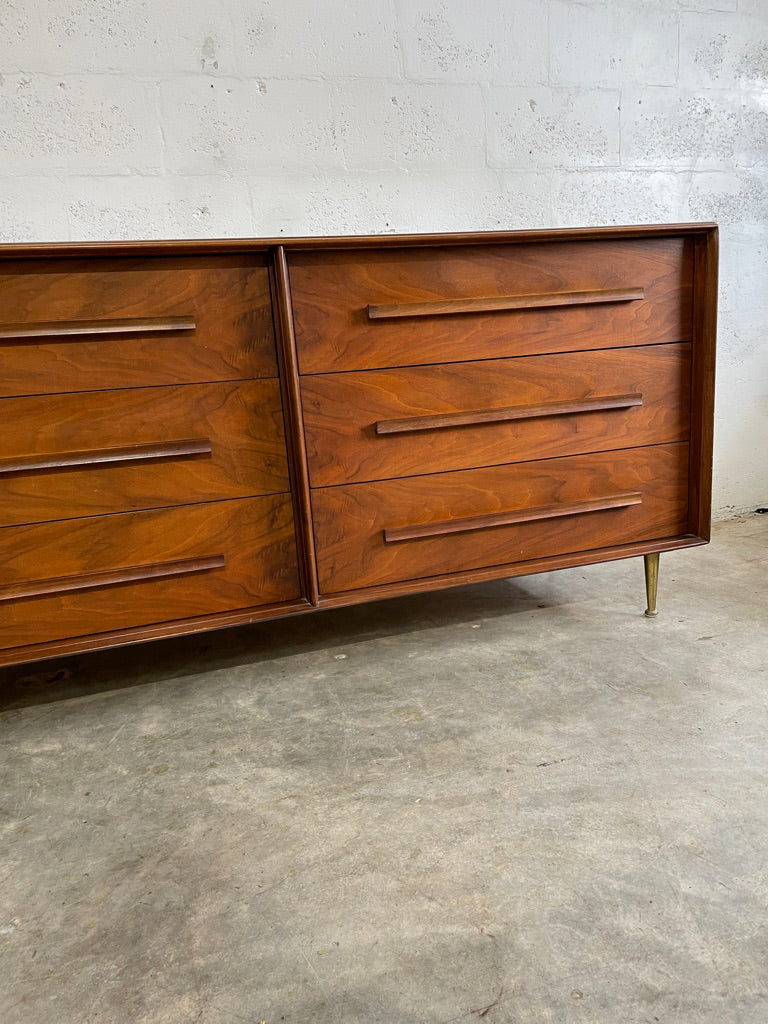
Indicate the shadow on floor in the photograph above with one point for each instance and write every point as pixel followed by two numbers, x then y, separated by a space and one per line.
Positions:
pixel 82 674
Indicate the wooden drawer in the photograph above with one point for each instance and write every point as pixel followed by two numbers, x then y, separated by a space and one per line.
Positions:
pixel 376 533
pixel 375 424
pixel 83 325
pixel 402 307
pixel 112 451
pixel 88 576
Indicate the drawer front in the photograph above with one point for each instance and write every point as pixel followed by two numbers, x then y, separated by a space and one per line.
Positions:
pixel 88 576
pixel 372 534
pixel 375 424
pixel 364 310
pixel 82 325
pixel 111 451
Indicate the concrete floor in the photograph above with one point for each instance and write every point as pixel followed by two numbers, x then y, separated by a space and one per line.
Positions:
pixel 517 802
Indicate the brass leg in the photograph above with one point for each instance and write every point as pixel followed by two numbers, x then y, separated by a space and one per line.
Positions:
pixel 651 581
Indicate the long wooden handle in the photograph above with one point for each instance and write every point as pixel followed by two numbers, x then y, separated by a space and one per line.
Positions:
pixel 62 329
pixel 473 417
pixel 499 303
pixel 419 531
pixel 107 456
pixel 111 577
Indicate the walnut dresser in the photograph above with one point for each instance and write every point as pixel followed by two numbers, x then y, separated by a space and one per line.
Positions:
pixel 199 434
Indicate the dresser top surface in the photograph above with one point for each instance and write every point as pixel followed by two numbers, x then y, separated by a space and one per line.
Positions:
pixel 38 250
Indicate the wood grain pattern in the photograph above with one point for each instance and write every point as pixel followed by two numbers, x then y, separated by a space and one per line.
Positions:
pixel 350 520
pixel 492 520
pixel 332 291
pixel 110 320
pixel 254 535
pixel 703 387
pixel 341 411
pixel 112 577
pixel 305 539
pixel 241 422
pixel 506 414
pixel 500 303
pixel 58 329
pixel 107 456
pixel 226 299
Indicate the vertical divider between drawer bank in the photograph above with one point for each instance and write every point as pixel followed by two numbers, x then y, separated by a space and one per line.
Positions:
pixel 294 424
pixel 705 262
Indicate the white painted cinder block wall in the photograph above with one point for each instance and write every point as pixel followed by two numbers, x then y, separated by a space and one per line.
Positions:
pixel 205 118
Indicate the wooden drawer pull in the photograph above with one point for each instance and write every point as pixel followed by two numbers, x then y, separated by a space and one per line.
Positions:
pixel 111 577
pixel 439 421
pixel 62 329
pixel 107 456
pixel 394 534
pixel 499 303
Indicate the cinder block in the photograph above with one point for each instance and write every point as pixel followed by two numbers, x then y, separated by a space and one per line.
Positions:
pixel 316 37
pixel 669 128
pixel 718 51
pixel 385 124
pixel 744 271
pixel 140 38
pixel 713 5
pixel 158 207
pixel 539 127
pixel 613 44
pixel 480 201
pixel 20 35
pixel 466 42
pixel 32 210
pixel 230 126
pixel 617 197
pixel 94 124
pixel 732 198
pixel 338 202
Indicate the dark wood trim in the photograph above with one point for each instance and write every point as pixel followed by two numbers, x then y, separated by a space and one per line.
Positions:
pixel 467 524
pixel 266 613
pixel 500 303
pixel 148 634
pixel 107 456
pixel 441 421
pixel 287 358
pixel 509 571
pixel 112 577
pixel 705 281
pixel 251 246
pixel 53 329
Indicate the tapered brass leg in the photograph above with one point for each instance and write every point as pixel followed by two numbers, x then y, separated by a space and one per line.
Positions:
pixel 651 581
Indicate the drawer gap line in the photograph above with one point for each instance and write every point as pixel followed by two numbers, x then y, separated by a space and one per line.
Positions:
pixel 53 330
pixel 112 577
pixel 442 421
pixel 107 456
pixel 501 303
pixel 420 531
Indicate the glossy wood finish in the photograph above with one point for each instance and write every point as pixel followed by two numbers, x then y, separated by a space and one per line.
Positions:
pixel 57 330
pixel 111 451
pixel 130 323
pixel 502 303
pixel 350 520
pixel 506 414
pixel 703 375
pixel 491 520
pixel 510 402
pixel 332 292
pixel 253 536
pixel 297 450
pixel 111 577
pixel 342 412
